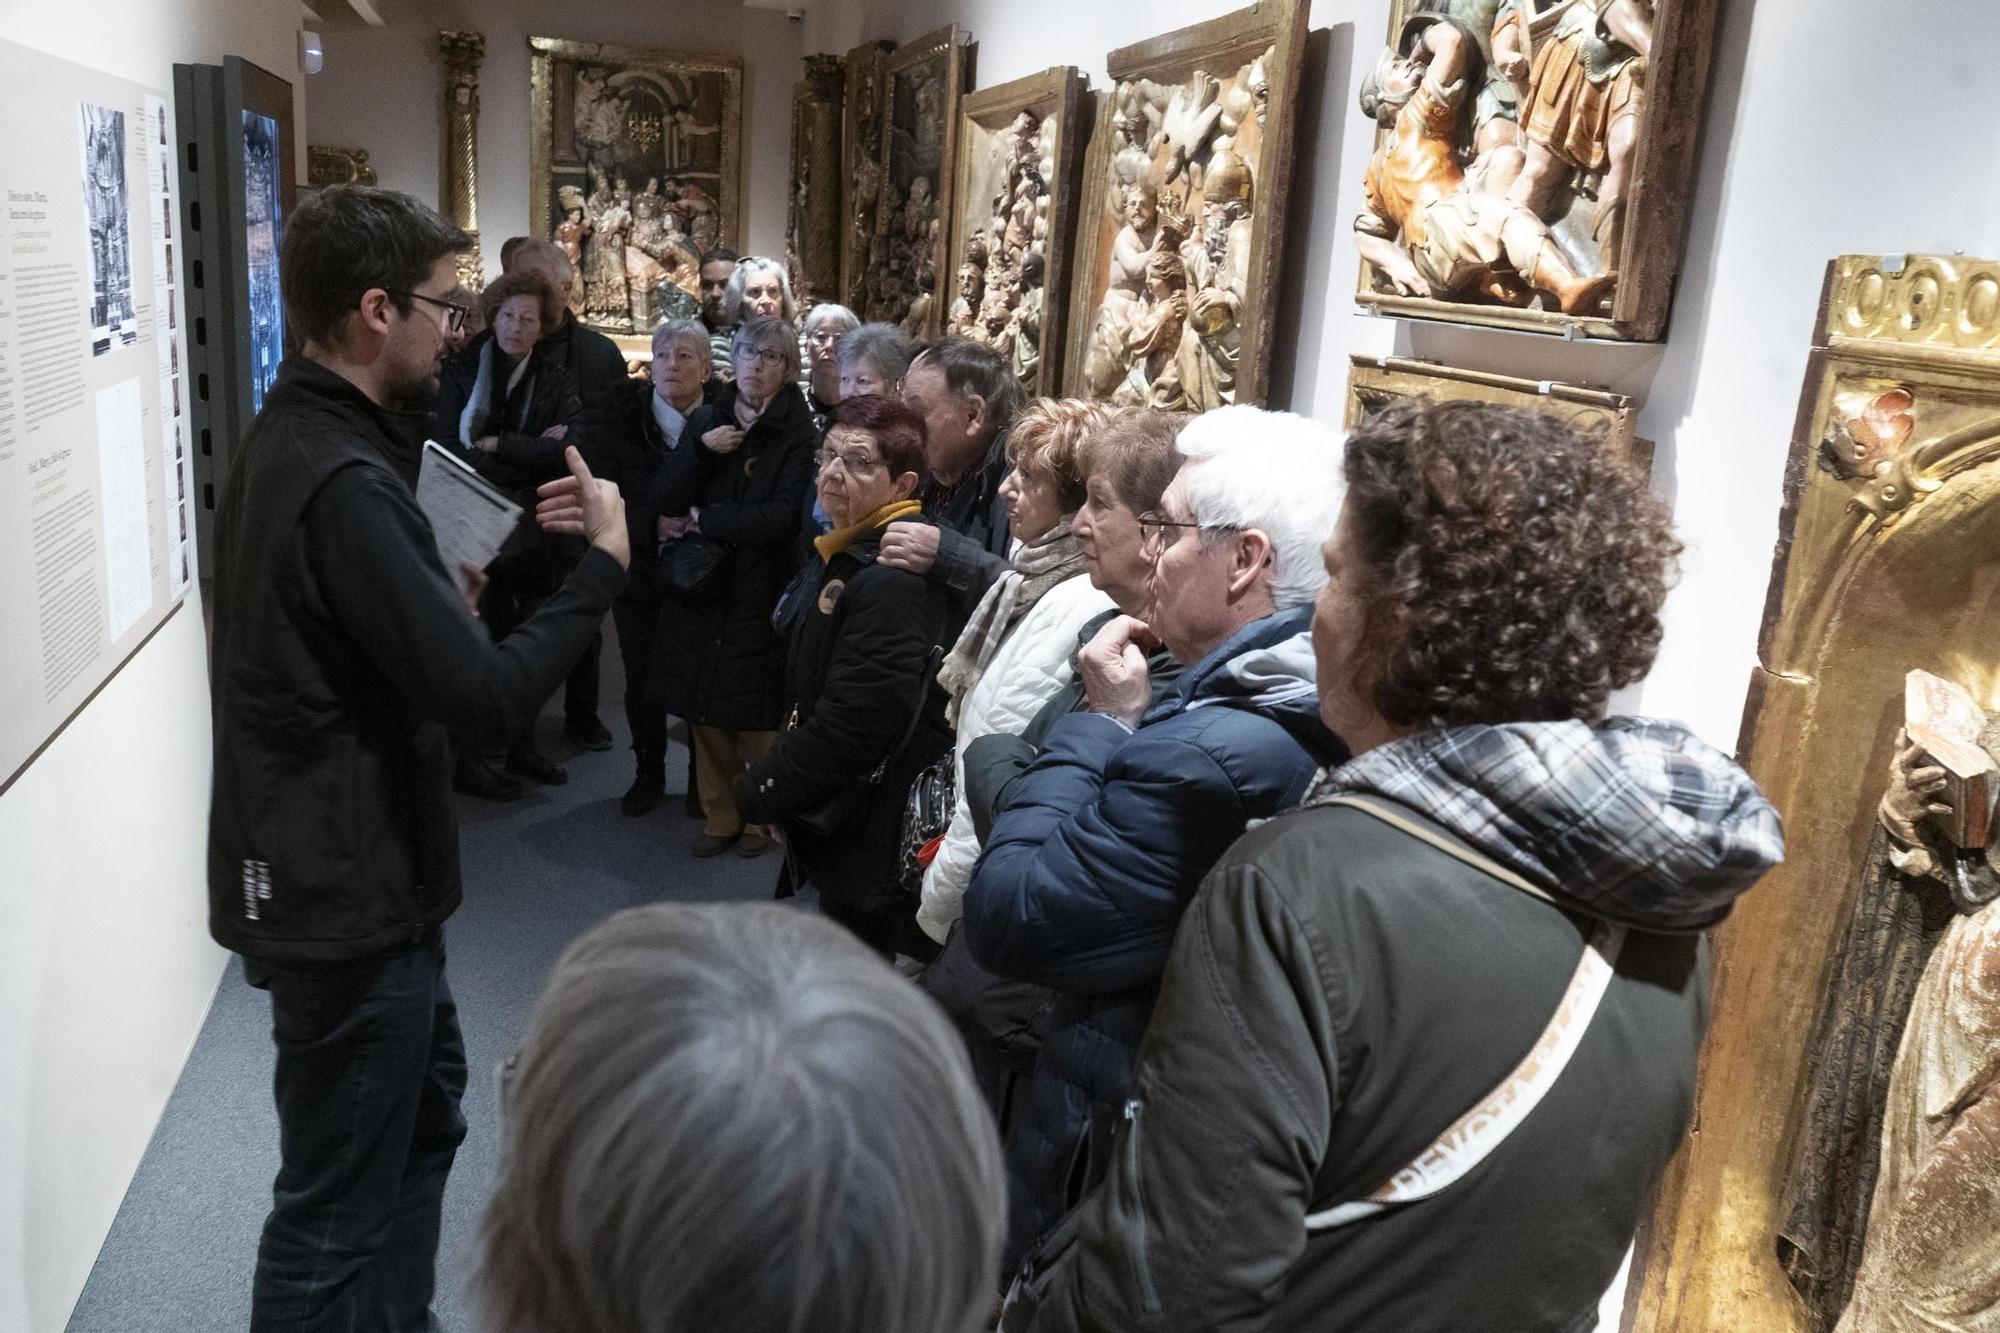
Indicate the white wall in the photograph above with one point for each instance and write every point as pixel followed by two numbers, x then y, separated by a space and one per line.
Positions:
pixel 1836 127
pixel 381 91
pixel 105 965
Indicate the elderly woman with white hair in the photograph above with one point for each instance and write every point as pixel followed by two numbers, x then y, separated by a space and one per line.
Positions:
pixel 729 501
pixel 824 327
pixel 758 287
pixel 735 1118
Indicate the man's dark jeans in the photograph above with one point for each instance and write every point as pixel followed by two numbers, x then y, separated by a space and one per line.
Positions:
pixel 370 1071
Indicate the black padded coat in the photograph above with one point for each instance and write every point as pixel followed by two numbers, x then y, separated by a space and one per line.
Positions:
pixel 720 663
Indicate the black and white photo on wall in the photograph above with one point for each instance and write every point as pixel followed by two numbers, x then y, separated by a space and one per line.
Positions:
pixel 105 196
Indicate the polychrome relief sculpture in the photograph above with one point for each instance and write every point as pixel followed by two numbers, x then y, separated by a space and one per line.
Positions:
pixel 922 83
pixel 1501 190
pixel 636 169
pixel 1183 225
pixel 1015 200
pixel 1844 1175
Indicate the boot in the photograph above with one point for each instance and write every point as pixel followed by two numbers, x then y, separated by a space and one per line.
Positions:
pixel 648 788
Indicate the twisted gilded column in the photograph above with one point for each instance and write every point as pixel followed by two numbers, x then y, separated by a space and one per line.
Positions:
pixel 458 181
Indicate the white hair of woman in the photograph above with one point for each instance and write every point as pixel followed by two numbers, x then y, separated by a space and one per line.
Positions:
pixel 825 313
pixel 735 1117
pixel 1277 472
pixel 686 330
pixel 746 268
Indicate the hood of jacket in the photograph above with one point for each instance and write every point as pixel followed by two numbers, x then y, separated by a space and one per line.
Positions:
pixel 1634 820
pixel 1266 667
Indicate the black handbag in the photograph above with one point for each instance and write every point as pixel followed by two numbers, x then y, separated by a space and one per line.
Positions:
pixel 694 566
pixel 927 814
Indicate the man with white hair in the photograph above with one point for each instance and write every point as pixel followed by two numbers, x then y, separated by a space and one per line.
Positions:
pixel 1098 845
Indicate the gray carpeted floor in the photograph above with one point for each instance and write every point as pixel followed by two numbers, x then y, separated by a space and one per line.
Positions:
pixel 537 873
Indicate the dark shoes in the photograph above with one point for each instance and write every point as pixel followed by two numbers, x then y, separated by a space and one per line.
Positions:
pixel 713 844
pixel 475 777
pixel 642 796
pixel 752 843
pixel 530 763
pixel 588 733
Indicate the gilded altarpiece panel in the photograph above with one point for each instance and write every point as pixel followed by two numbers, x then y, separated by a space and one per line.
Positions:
pixel 1837 1145
pixel 861 151
pixel 818 192
pixel 1534 162
pixel 1182 228
pixel 1015 206
pixel 1375 382
pixel 922 85
pixel 636 169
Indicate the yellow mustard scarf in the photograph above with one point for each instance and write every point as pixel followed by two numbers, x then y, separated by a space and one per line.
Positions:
pixel 833 543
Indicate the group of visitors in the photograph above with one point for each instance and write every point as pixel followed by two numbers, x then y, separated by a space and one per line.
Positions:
pixel 1255 879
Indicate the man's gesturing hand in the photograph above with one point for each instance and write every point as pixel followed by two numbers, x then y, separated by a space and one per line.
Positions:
pixel 582 505
pixel 1116 679
pixel 911 546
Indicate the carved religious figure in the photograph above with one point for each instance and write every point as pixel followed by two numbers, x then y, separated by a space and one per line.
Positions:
pixel 1582 95
pixel 605 296
pixel 1893 1191
pixel 1428 227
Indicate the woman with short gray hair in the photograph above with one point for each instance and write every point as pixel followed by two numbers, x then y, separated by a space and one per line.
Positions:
pixel 758 287
pixel 824 326
pixel 733 1117
pixel 729 501
pixel 873 359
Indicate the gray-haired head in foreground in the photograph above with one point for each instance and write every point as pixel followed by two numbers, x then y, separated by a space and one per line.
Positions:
pixel 688 330
pixel 734 1117
pixel 828 313
pixel 880 347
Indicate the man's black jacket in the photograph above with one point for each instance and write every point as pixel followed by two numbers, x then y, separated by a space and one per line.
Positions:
pixel 342 654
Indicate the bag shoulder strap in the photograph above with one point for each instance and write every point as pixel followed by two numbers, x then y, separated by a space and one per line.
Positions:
pixel 932 660
pixel 1473 1137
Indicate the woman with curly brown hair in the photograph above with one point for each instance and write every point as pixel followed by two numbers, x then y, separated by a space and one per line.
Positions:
pixel 1427 1043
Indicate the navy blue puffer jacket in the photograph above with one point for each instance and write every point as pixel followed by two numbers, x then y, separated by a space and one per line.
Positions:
pixel 1098 848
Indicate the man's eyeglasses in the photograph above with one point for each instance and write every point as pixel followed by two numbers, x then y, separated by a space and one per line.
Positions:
pixel 454 318
pixel 851 463
pixel 1156 527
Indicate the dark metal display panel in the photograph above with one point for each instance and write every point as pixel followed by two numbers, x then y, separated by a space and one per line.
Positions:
pixel 235 153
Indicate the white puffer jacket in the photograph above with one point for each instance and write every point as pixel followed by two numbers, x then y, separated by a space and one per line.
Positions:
pixel 1031 664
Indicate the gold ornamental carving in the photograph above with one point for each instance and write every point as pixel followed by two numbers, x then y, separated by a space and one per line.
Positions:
pixel 458 181
pixel 337 166
pixel 1884 564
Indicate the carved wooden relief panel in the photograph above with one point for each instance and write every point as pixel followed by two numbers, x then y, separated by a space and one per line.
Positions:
pixel 636 169
pixel 1015 209
pixel 1534 162
pixel 861 151
pixel 1826 1157
pixel 1375 382
pixel 818 195
pixel 1182 227
pixel 922 83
